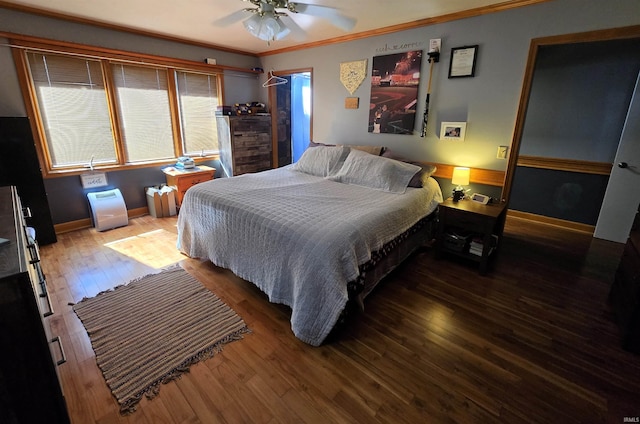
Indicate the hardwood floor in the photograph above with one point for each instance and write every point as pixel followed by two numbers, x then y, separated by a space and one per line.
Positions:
pixel 533 341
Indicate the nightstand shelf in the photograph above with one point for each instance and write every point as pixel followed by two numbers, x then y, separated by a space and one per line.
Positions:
pixel 467 227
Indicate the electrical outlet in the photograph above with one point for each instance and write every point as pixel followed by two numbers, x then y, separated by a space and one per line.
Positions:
pixel 502 152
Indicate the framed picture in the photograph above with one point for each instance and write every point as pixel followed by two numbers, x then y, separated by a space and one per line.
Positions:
pixel 394 92
pixel 453 131
pixel 463 61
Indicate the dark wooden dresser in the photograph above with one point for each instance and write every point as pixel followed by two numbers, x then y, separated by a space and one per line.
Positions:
pixel 624 296
pixel 30 390
pixel 245 143
pixel 19 167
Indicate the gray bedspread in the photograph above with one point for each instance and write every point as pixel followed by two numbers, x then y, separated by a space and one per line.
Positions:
pixel 297 237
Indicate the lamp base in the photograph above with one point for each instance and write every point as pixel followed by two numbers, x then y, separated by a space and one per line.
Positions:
pixel 458 195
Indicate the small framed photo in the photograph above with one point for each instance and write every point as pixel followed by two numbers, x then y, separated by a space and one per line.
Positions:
pixel 463 61
pixel 453 131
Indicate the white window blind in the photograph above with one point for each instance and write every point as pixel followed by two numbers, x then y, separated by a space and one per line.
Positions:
pixel 74 109
pixel 113 112
pixel 143 106
pixel 198 100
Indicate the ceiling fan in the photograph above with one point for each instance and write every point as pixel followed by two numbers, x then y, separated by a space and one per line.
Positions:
pixel 266 20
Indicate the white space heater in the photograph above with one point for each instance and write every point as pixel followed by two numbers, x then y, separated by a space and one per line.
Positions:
pixel 108 209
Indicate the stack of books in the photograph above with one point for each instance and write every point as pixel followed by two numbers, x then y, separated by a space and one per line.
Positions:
pixel 456 241
pixel 477 244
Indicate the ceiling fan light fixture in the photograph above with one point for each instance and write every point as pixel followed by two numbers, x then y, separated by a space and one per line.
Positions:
pixel 252 25
pixel 264 26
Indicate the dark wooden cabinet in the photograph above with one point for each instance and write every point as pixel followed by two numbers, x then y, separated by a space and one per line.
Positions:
pixel 30 391
pixel 470 230
pixel 19 166
pixel 245 143
pixel 624 296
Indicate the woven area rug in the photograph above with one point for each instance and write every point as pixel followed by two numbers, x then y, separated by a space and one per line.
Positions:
pixel 151 330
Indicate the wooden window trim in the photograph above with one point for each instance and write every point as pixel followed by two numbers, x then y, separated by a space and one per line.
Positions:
pixel 21 44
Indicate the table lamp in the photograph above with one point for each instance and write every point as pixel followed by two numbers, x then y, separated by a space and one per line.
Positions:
pixel 460 178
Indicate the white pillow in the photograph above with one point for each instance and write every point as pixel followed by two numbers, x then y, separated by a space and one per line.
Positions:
pixel 321 161
pixel 376 172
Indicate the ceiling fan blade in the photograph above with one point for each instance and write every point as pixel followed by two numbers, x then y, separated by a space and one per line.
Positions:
pixel 297 32
pixel 232 18
pixel 339 20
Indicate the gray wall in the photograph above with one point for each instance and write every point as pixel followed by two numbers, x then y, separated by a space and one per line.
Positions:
pixel 67 198
pixel 488 102
pixel 579 100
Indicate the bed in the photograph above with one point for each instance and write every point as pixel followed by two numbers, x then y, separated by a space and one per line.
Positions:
pixel 314 235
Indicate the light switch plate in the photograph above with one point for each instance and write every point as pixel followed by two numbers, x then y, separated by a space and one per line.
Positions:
pixel 502 152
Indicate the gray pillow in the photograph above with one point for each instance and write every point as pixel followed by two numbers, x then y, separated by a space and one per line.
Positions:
pixel 418 179
pixel 321 161
pixel 375 172
pixel 374 150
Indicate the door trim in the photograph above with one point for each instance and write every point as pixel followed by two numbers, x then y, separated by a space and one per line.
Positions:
pixel 536 43
pixel 274 115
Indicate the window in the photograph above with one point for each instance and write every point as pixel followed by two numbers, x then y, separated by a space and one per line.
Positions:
pixel 145 117
pixel 74 109
pixel 198 101
pixel 110 110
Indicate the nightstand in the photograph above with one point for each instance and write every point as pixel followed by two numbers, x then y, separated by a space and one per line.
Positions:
pixel 470 230
pixel 183 179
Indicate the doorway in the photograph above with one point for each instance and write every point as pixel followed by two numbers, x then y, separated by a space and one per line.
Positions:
pixel 558 153
pixel 291 115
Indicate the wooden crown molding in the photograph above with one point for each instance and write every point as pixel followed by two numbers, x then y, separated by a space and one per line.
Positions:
pixel 506 5
pixel 499 7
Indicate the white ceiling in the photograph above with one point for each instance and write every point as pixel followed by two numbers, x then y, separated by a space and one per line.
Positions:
pixel 194 19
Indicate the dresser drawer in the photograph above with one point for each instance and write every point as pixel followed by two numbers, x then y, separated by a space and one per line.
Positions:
pixel 245 141
pixel 184 180
pixel 187 181
pixel 462 219
pixel 251 124
pixel 628 274
pixel 624 295
pixel 253 167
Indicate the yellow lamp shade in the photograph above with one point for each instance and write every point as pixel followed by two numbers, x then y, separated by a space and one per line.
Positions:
pixel 460 176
